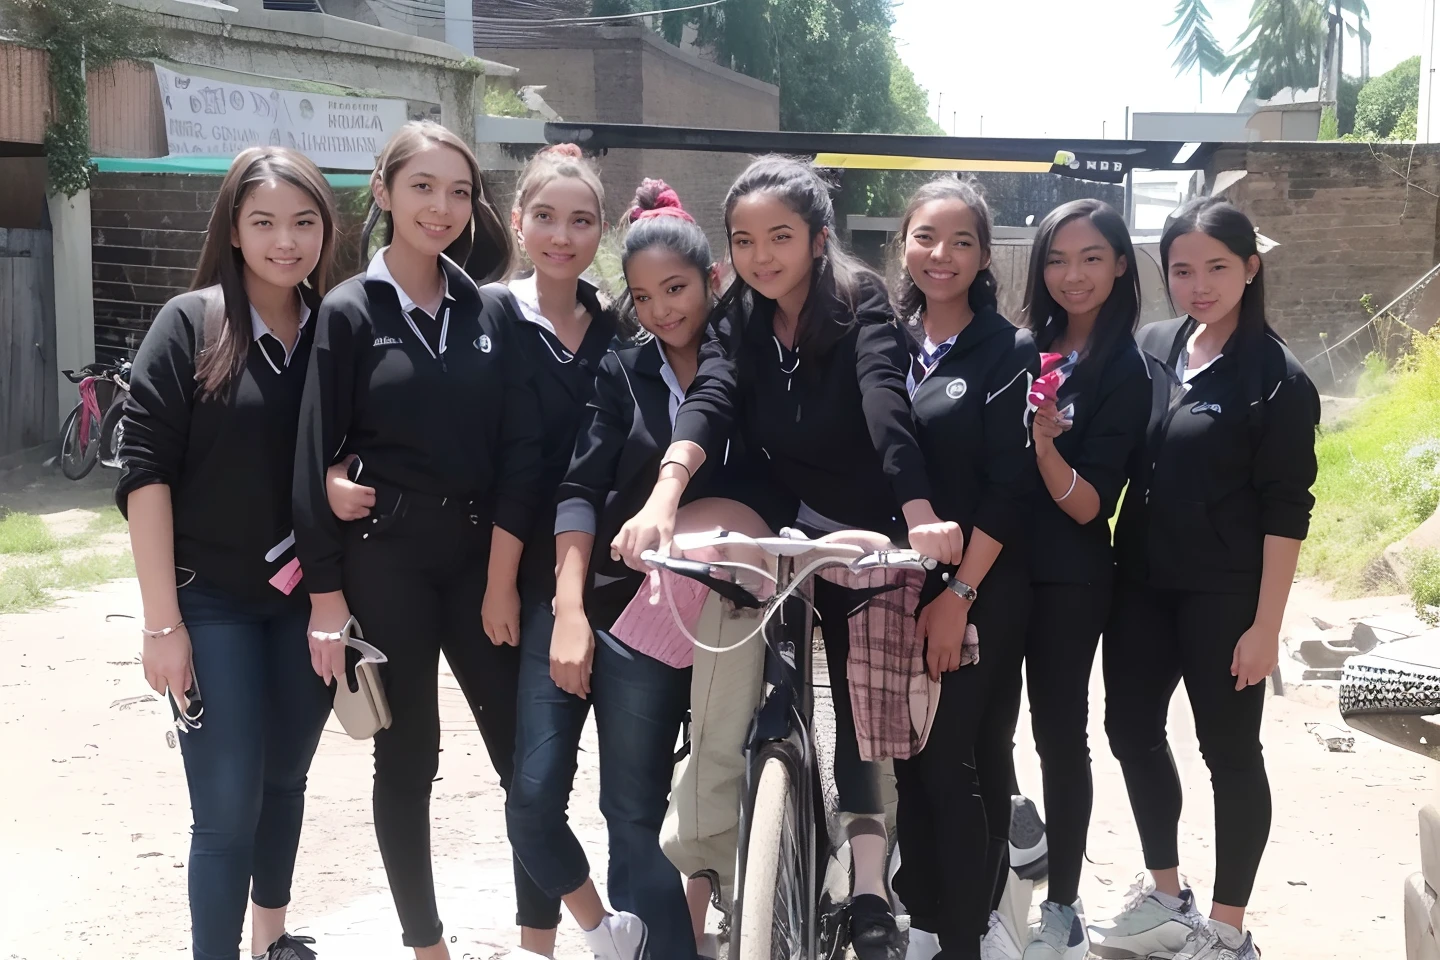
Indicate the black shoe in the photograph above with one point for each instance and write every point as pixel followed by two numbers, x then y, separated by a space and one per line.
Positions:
pixel 873 932
pixel 290 947
pixel 1029 851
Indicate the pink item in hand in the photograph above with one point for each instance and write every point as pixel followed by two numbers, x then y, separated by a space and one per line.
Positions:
pixel 1055 369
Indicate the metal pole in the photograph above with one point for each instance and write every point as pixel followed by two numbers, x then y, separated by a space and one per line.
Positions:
pixel 982 124
pixel 939 99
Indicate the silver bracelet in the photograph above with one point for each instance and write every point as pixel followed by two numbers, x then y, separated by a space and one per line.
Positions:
pixel 157 634
pixel 1074 479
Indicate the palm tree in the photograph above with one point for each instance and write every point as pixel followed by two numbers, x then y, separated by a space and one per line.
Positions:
pixel 1198 49
pixel 1282 46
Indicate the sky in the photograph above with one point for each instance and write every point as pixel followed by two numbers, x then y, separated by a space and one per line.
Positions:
pixel 1064 68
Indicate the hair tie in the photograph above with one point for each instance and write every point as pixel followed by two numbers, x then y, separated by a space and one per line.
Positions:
pixel 678 212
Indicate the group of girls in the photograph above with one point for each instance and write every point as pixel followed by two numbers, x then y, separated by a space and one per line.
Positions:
pixel 468 459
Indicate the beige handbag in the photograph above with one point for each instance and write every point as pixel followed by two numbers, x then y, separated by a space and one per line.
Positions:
pixel 360 703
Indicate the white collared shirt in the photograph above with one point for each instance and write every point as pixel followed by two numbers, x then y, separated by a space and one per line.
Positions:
pixel 677 393
pixel 258 330
pixel 380 270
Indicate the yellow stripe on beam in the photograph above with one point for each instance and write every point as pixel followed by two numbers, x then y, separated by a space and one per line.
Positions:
pixel 866 161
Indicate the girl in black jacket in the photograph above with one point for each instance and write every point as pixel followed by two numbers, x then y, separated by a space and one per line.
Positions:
pixel 810 368
pixel 1083 300
pixel 414 373
pixel 1206 547
pixel 968 382
pixel 209 452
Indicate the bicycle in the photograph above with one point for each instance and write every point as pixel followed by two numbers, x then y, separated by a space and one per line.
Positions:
pixel 90 435
pixel 780 911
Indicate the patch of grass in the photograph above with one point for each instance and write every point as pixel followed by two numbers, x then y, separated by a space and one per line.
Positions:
pixel 25 533
pixel 32 585
pixel 108 520
pixel 1374 378
pixel 1423 572
pixel 1377 478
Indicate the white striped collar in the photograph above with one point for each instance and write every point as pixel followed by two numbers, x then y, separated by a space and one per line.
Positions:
pixel 259 329
pixel 380 270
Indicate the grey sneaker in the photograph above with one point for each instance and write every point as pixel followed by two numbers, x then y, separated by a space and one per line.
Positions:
pixel 290 947
pixel 1147 929
pixel 1205 944
pixel 1061 935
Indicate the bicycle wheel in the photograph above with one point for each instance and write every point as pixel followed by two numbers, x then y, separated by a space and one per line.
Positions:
pixel 77 455
pixel 112 433
pixel 772 917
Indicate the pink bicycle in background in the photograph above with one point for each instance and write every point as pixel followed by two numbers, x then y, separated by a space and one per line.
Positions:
pixel 92 432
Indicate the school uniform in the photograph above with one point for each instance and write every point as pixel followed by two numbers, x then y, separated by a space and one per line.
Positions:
pixel 1107 400
pixel 971 421
pixel 1229 460
pixel 227 461
pixel 444 422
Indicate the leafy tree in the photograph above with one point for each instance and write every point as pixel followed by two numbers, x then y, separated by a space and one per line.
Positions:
pixel 1384 101
pixel 1198 49
pixel 1281 47
pixel 1345 105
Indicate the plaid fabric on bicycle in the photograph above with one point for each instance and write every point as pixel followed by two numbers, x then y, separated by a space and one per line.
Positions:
pixel 893 698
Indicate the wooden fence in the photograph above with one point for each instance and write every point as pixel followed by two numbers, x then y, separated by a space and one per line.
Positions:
pixel 27 341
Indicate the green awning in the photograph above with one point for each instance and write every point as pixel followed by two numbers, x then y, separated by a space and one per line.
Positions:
pixel 214 166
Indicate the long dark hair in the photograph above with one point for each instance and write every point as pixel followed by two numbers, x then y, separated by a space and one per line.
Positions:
pixel 835 277
pixel 1120 312
pixel 1215 217
pixel 484 250
pixel 221 262
pixel 658 219
pixel 985 290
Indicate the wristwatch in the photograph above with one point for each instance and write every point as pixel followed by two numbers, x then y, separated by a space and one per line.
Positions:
pixel 961 589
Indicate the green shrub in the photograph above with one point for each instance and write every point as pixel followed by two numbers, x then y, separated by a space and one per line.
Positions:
pixel 1423 572
pixel 1384 100
pixel 504 102
pixel 1375 377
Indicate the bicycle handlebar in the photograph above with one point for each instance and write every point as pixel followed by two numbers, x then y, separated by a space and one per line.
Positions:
pixel 97 369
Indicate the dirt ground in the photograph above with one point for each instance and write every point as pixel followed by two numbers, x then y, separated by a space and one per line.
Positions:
pixel 94 818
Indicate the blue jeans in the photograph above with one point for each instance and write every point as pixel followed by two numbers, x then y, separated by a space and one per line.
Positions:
pixel 640 705
pixel 264 710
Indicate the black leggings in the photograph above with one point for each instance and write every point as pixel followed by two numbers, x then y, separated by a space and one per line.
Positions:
pixel 953 815
pixel 414 580
pixel 857 782
pixel 1065 624
pixel 1153 640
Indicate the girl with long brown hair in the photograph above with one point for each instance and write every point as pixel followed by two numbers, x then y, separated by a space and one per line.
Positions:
pixel 416 376
pixel 208 447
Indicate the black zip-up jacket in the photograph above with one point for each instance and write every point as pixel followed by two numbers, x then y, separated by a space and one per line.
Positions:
pixel 1110 401
pixel 460 422
pixel 971 420
pixel 564 383
pixel 228 461
pixel 623 436
pixel 837 430
pixel 1228 460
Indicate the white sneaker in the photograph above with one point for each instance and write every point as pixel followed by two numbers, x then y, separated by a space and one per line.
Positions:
pixel 924 945
pixel 1000 943
pixel 1060 936
pixel 620 936
pixel 1147 929
pixel 1204 943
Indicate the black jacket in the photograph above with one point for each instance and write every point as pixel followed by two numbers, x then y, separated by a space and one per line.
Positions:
pixel 563 384
pixel 1110 397
pixel 836 429
pixel 1228 461
pixel 970 418
pixel 623 436
pixel 228 460
pixel 459 423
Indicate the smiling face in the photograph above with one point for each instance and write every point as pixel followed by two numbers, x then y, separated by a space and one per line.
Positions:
pixel 560 228
pixel 279 233
pixel 771 246
pixel 429 199
pixel 672 298
pixel 1081 268
pixel 942 250
pixel 1206 279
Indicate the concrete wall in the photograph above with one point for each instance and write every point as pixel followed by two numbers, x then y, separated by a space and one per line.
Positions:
pixel 1348 225
pixel 630 75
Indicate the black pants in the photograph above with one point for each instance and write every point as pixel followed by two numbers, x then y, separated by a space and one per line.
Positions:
pixel 1153 640
pixel 954 797
pixel 414 580
pixel 1064 633
pixel 857 782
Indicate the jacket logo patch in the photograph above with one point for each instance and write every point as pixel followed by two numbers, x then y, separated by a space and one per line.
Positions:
pixel 1204 407
pixel 483 343
pixel 955 389
pixel 386 342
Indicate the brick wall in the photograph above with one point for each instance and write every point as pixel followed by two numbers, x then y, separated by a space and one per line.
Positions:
pixel 1347 224
pixel 630 75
